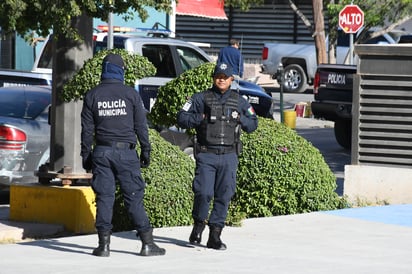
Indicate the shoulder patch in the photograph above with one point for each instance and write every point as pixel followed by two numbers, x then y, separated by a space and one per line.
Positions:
pixel 251 110
pixel 187 105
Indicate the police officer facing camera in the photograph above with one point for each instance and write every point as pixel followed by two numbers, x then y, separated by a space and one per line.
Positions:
pixel 218 115
pixel 112 116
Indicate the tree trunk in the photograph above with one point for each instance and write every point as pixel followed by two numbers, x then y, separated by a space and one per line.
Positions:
pixel 319 34
pixel 68 57
pixel 332 41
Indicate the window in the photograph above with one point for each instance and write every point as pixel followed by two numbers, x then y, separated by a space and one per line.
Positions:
pixel 23 105
pixel 118 43
pixel 46 58
pixel 190 58
pixel 161 57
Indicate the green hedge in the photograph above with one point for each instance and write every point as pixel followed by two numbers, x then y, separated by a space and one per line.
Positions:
pixel 168 195
pixel 279 171
pixel 172 96
pixel 282 173
pixel 137 67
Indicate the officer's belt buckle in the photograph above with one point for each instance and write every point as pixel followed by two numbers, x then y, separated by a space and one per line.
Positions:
pixel 217 151
pixel 202 149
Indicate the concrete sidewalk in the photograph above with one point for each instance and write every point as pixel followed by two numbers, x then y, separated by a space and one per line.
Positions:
pixel 360 240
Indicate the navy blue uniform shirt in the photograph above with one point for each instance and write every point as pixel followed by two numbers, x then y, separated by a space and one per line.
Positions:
pixel 192 112
pixel 113 112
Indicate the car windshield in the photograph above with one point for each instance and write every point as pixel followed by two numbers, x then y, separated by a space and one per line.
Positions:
pixel 26 105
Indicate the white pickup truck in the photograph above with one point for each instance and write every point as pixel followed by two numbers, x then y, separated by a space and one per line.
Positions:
pixel 299 60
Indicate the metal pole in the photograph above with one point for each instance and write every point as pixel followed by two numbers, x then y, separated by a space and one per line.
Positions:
pixel 110 32
pixel 351 49
pixel 280 82
pixel 171 20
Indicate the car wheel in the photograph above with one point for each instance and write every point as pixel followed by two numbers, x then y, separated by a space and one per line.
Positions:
pixel 343 133
pixel 295 79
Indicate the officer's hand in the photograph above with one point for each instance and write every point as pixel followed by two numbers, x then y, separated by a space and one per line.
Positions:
pixel 145 159
pixel 87 162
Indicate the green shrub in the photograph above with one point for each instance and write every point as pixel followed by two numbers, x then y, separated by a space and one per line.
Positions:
pixel 281 173
pixel 172 96
pixel 137 67
pixel 168 195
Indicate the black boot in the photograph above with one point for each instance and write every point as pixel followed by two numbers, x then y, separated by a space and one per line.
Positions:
pixel 103 250
pixel 196 235
pixel 214 238
pixel 149 248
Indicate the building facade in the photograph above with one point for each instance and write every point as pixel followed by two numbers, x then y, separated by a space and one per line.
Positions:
pixel 274 21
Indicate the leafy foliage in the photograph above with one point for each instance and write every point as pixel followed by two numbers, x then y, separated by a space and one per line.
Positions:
pixel 42 16
pixel 168 196
pixel 376 12
pixel 172 96
pixel 387 14
pixel 243 4
pixel 281 173
pixel 137 67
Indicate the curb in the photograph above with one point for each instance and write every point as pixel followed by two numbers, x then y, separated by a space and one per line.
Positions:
pixel 11 231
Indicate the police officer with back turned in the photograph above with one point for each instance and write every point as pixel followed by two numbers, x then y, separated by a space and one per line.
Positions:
pixel 112 116
pixel 218 115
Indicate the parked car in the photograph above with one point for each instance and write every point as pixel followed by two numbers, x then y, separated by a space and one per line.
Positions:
pixel 24 132
pixel 171 57
pixel 299 60
pixel 9 77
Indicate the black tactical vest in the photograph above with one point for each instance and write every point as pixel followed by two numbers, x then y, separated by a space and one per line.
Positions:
pixel 221 125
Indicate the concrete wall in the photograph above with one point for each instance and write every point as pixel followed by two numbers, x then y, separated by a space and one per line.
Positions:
pixel 381 170
pixel 377 185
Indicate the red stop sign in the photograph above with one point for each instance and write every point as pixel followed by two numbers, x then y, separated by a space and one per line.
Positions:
pixel 351 18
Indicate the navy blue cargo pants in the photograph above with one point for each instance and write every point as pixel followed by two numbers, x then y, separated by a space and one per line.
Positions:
pixel 215 178
pixel 109 164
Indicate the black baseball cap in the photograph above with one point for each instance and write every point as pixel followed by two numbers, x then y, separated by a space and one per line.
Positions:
pixel 223 68
pixel 115 59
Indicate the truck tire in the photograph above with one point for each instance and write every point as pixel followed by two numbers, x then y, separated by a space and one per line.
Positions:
pixel 295 79
pixel 343 133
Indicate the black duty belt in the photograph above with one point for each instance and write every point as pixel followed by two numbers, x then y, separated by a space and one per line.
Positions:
pixel 218 151
pixel 119 145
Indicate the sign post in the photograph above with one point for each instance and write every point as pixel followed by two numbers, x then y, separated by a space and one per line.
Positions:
pixel 351 19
